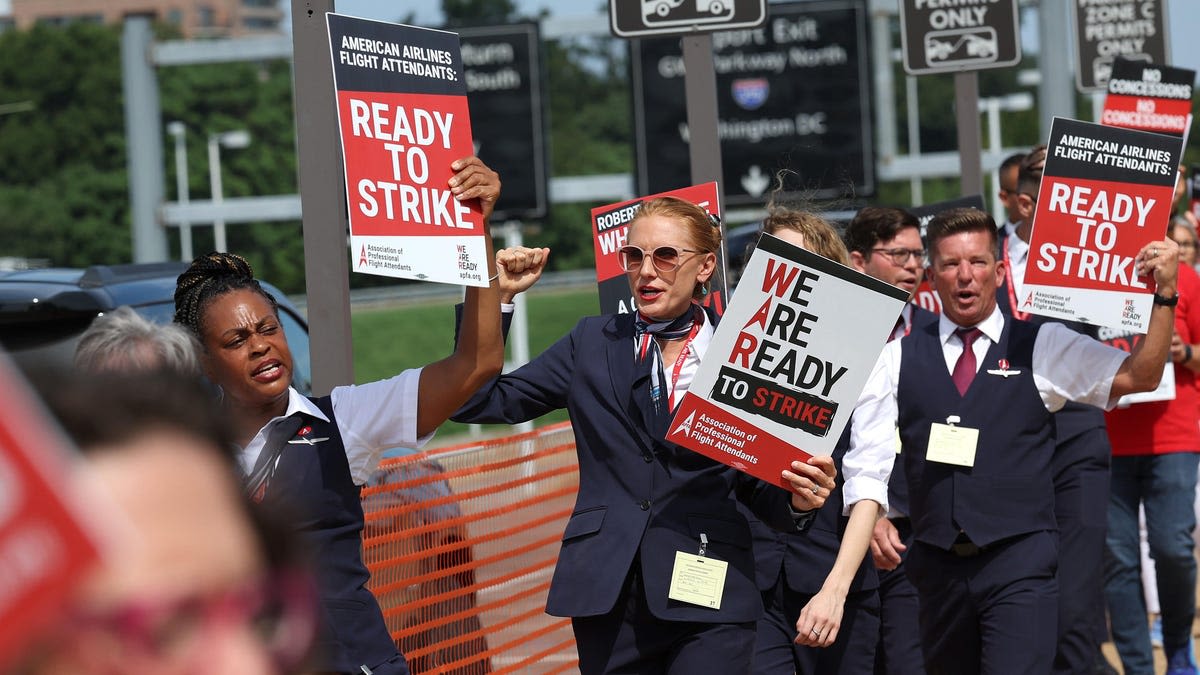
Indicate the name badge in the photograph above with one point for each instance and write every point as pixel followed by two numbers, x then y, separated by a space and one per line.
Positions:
pixel 698 580
pixel 950 444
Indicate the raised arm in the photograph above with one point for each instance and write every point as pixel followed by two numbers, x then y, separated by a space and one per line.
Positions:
pixel 479 356
pixel 1142 370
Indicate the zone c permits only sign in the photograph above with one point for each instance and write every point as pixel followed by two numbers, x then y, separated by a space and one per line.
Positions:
pixel 403 116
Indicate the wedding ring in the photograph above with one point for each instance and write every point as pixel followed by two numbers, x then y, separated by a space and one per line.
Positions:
pixel 816 632
pixel 814 489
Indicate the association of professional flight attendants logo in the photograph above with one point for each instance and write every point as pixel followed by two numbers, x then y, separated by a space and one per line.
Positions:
pixel 685 426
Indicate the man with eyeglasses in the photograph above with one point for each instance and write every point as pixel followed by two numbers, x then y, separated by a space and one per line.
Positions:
pixel 1080 463
pixel 1008 171
pixel 885 243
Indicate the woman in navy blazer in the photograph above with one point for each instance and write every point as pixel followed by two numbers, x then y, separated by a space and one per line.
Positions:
pixel 641 499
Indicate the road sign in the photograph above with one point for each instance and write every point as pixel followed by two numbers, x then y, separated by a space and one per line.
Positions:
pixel 793 94
pixel 1135 29
pixel 638 18
pixel 502 67
pixel 948 36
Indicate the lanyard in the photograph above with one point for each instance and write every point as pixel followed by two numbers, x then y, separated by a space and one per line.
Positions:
pixel 683 354
pixel 1011 287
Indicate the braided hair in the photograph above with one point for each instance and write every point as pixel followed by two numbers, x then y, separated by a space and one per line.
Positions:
pixel 209 277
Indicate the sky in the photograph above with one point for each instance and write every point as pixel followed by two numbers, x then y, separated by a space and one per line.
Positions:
pixel 1185 48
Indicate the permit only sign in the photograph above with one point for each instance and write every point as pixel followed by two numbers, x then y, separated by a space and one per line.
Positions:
pixel 610 231
pixel 788 361
pixel 403 117
pixel 1105 193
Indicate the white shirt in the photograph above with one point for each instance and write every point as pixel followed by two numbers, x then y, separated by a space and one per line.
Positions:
pixel 1067 366
pixel 1018 257
pixel 371 418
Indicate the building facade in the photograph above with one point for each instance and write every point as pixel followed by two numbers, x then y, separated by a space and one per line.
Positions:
pixel 195 18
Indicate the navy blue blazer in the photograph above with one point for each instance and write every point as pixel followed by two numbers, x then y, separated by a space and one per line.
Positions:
pixel 640 499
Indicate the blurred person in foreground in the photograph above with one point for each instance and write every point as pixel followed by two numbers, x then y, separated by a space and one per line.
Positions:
pixel 123 340
pixel 312 455
pixel 643 500
pixel 819 589
pixel 197 581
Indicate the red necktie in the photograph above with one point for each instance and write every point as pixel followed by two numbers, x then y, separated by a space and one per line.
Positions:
pixel 964 369
pixel 896 329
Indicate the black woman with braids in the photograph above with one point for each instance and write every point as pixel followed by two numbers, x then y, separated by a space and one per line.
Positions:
pixel 312 455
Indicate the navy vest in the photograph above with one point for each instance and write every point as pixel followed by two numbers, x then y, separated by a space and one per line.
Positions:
pixel 898 482
pixel 314 486
pixel 1009 491
pixel 1073 418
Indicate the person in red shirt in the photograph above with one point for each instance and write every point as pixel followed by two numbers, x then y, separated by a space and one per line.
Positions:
pixel 1155 446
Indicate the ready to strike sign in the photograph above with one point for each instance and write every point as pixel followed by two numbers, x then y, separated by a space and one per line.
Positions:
pixel 788 361
pixel 402 111
pixel 1149 97
pixel 610 231
pixel 1105 193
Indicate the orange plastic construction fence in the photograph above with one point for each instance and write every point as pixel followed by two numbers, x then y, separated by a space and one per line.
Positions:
pixel 461 542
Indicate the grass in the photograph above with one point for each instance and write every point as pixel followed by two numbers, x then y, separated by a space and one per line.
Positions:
pixel 388 340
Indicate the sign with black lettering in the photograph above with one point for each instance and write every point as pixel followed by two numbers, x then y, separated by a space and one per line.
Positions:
pixel 1107 29
pixel 638 18
pixel 788 361
pixel 1105 193
pixel 610 231
pixel 946 36
pixel 925 296
pixel 403 115
pixel 793 94
pixel 1149 97
pixel 503 72
pixel 1194 190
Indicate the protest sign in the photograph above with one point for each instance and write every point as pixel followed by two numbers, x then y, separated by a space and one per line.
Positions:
pixel 1126 341
pixel 788 361
pixel 45 545
pixel 610 231
pixel 403 116
pixel 1194 190
pixel 925 297
pixel 1149 97
pixel 1105 193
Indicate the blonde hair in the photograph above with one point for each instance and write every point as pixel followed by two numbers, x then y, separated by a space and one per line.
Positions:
pixel 819 235
pixel 703 230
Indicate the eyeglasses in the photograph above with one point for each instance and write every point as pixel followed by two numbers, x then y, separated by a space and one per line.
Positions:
pixel 900 256
pixel 1186 244
pixel 664 258
pixel 279 609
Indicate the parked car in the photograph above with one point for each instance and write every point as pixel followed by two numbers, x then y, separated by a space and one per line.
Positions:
pixel 44 311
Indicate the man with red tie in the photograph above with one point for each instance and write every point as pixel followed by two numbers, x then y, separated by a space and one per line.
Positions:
pixel 972 396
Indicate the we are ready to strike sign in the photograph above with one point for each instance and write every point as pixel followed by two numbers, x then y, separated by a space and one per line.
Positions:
pixel 1105 193
pixel 403 116
pixel 788 361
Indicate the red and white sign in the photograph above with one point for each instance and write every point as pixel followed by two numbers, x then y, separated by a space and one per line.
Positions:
pixel 610 231
pixel 403 116
pixel 44 545
pixel 1149 97
pixel 788 361
pixel 1105 193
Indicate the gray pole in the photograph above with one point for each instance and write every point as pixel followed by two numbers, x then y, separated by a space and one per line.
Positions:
pixel 143 140
pixel 1056 92
pixel 322 198
pixel 966 112
pixel 704 143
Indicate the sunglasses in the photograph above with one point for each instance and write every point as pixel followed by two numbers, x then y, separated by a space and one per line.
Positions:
pixel 664 258
pixel 279 609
